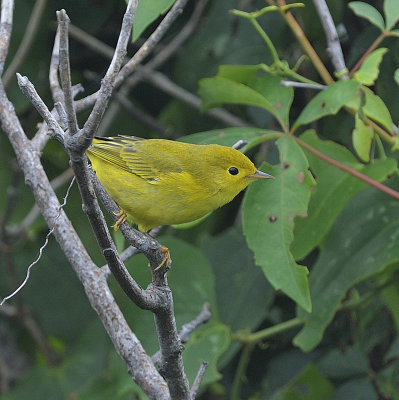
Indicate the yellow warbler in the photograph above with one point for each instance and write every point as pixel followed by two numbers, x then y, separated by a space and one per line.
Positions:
pixel 163 182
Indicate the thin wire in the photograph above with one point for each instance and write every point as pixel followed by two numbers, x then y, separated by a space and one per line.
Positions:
pixel 41 248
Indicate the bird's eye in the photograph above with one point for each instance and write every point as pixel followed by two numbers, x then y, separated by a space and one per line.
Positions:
pixel 233 170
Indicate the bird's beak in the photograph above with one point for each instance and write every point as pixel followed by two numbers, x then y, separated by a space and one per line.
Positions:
pixel 260 175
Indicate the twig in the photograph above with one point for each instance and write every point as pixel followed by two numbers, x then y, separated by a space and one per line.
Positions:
pixel 303 85
pixel 240 144
pixel 62 115
pixel 202 318
pixel 334 47
pixel 55 87
pixel 65 71
pixel 29 36
pixel 198 379
pixel 29 91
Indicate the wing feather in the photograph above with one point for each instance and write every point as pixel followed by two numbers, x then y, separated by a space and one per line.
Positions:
pixel 125 152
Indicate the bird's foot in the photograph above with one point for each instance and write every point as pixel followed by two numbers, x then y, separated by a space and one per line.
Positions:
pixel 166 258
pixel 122 218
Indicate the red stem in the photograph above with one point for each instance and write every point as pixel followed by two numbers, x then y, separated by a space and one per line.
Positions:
pixel 349 170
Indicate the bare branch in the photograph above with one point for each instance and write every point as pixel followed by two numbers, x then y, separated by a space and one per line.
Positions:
pixel 334 46
pixel 65 71
pixel 29 91
pixel 198 379
pixel 303 85
pixel 55 87
pixel 202 318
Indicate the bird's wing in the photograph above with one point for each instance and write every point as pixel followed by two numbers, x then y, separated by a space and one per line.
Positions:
pixel 125 152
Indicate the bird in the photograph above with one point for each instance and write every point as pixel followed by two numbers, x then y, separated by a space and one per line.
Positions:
pixel 166 182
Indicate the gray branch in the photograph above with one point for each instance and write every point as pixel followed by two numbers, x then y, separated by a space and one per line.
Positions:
pixel 333 45
pixel 65 71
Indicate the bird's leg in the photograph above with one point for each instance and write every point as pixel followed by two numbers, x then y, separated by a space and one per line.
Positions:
pixel 166 258
pixel 122 218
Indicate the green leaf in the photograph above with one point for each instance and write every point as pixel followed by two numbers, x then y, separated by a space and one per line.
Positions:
pixel 268 212
pixel 279 96
pixel 373 107
pixel 265 92
pixel 309 384
pixel 147 12
pixel 328 101
pixel 238 73
pixel 368 12
pixel 362 137
pixel 361 244
pixel 230 136
pixel 391 11
pixel 243 299
pixel 216 91
pixel 369 70
pixel 333 190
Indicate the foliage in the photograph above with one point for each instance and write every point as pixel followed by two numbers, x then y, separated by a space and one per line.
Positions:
pixel 301 273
